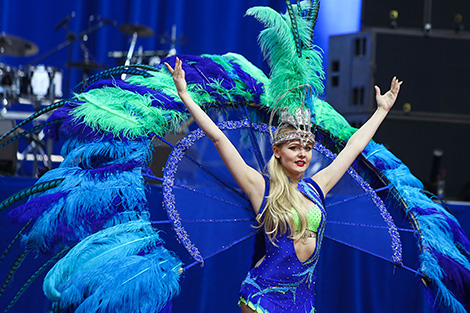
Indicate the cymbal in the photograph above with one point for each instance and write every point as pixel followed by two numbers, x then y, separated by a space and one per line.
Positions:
pixel 141 30
pixel 16 46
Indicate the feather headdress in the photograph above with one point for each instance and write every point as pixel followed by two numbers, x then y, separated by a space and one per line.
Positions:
pixel 297 73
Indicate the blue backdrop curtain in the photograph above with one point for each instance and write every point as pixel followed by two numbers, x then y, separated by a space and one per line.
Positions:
pixel 204 26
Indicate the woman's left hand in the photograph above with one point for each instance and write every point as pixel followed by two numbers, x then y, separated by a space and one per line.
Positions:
pixel 387 100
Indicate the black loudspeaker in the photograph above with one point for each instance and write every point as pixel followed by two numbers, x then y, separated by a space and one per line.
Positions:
pixel 434 68
pixel 449 14
pixel 433 109
pixel 8 154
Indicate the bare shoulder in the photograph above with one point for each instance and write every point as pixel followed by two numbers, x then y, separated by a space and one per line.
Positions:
pixel 322 179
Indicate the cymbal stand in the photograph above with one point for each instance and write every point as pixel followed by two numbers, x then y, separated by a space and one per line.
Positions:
pixel 172 51
pixel 131 48
pixel 130 52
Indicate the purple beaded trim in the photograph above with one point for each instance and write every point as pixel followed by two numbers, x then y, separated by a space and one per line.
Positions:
pixel 171 168
pixel 392 228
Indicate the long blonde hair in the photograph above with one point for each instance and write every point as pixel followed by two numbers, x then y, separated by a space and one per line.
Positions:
pixel 283 198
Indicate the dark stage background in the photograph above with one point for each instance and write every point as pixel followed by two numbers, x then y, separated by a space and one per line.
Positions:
pixel 348 281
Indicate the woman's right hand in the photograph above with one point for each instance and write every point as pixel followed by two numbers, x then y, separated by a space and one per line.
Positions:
pixel 178 75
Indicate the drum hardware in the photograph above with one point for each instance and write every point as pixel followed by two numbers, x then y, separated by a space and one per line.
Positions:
pixel 8 154
pixel 71 37
pixel 87 66
pixel 150 57
pixel 39 84
pixel 173 40
pixel 135 30
pixel 16 47
pixel 140 30
pixel 65 22
pixel 37 149
pixel 8 86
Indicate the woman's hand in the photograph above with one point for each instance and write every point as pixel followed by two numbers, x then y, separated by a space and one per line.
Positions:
pixel 387 100
pixel 178 75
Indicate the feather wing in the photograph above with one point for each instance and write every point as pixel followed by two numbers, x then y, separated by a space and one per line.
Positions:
pixel 131 284
pixel 100 248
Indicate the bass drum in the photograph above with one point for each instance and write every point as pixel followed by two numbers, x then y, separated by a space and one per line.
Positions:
pixel 40 84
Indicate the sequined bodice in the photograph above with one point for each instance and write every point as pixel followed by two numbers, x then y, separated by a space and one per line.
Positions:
pixel 281 262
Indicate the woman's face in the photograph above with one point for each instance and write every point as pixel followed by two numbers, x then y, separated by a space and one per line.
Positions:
pixel 294 157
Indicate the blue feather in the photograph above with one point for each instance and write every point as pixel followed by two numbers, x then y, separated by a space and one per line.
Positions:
pixel 75 150
pixel 93 201
pixel 131 284
pixel 440 235
pixel 107 245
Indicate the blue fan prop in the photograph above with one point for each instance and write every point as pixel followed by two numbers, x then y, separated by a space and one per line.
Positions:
pixel 204 202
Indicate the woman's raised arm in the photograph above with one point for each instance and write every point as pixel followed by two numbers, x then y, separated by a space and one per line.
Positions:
pixel 329 176
pixel 247 178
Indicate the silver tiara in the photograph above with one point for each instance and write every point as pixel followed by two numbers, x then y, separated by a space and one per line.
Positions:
pixel 300 120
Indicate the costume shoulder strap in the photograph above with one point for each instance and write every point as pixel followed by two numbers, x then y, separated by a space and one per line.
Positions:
pixel 310 188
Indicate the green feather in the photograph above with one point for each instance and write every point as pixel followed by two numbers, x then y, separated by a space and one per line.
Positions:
pixel 247 66
pixel 327 117
pixel 288 70
pixel 220 60
pixel 253 71
pixel 123 112
pixel 162 81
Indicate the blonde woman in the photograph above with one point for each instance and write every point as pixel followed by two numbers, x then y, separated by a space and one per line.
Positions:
pixel 288 205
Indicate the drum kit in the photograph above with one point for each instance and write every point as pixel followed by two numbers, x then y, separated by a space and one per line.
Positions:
pixel 29 84
pixel 38 84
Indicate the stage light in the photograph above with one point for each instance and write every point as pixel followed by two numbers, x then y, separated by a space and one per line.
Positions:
pixel 458 23
pixel 407 107
pixel 393 16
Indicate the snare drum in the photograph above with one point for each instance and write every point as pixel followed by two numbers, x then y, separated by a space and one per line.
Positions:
pixel 8 85
pixel 40 83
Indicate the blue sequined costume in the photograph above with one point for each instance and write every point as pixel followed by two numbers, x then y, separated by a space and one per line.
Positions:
pixel 282 283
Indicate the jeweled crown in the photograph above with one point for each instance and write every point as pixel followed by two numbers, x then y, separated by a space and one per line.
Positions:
pixel 300 121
